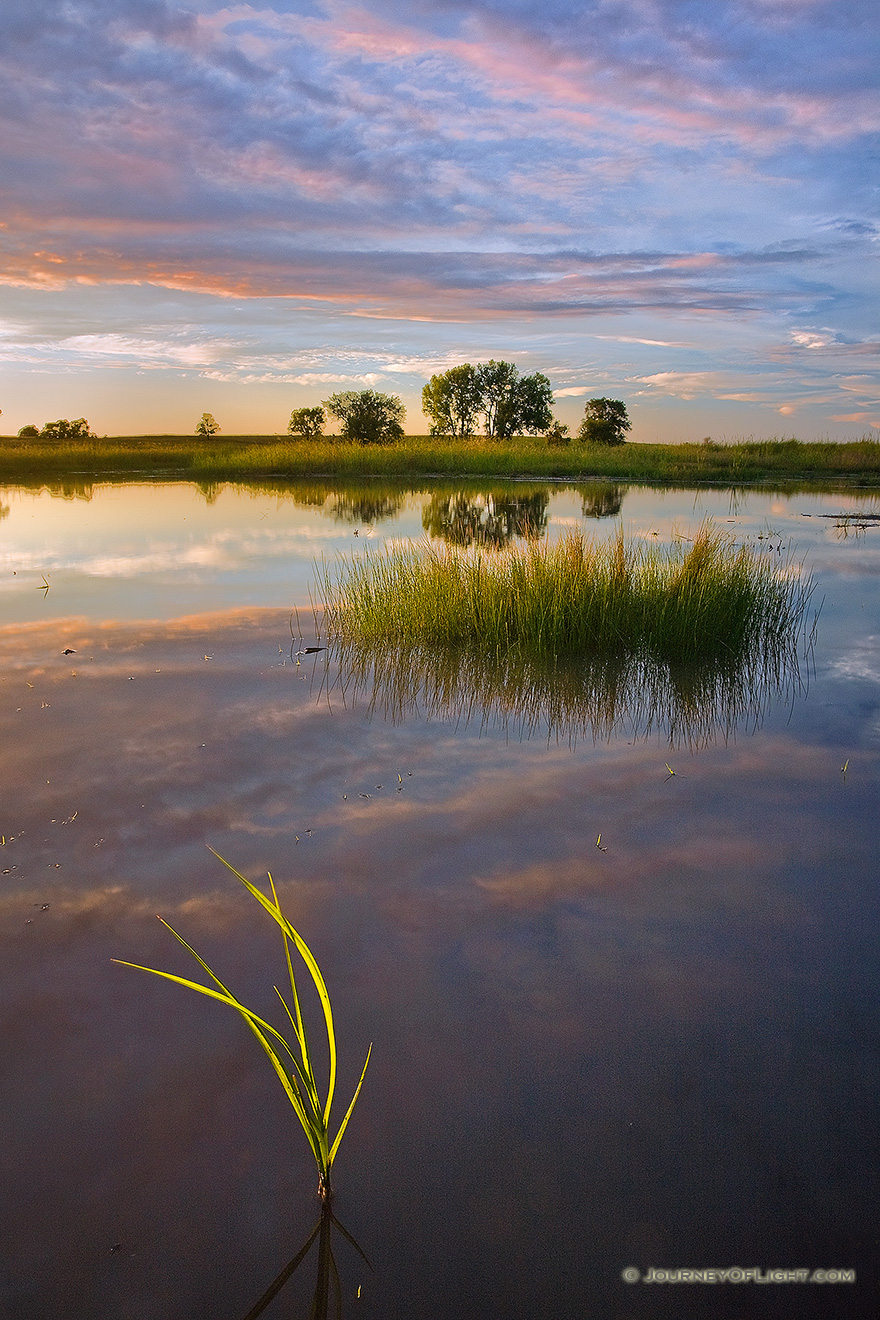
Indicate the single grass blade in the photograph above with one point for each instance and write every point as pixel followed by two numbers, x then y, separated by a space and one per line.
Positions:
pixel 309 959
pixel 344 1124
pixel 255 1023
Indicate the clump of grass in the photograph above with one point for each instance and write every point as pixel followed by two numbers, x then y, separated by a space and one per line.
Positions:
pixel 580 596
pixel 294 1063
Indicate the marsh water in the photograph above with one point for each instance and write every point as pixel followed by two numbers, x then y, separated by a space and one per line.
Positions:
pixel 620 975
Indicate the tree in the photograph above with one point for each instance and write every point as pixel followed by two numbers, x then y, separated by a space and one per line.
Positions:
pixel 65 430
pixel 513 404
pixel 605 422
pixel 29 432
pixel 453 401
pixel 361 509
pixel 207 425
pixel 498 382
pixel 307 422
pixel 533 406
pixel 601 499
pixel 368 417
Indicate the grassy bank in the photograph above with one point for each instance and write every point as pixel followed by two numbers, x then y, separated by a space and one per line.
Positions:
pixel 679 604
pixel 250 457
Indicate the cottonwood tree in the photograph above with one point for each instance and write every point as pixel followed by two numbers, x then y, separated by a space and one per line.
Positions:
pixel 513 404
pixel 498 382
pixel 605 422
pixel 367 417
pixel 533 406
pixel 307 422
pixel 207 425
pixel 65 430
pixel 453 401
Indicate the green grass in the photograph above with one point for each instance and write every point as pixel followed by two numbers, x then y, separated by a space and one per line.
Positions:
pixel 579 596
pixel 572 640
pixel 293 1064
pixel 245 457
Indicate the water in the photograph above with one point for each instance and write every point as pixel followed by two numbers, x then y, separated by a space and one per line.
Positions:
pixel 664 1054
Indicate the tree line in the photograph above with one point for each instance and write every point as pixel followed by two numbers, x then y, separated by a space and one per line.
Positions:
pixel 492 398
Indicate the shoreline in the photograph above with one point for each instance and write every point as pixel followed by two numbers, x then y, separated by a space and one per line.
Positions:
pixel 247 458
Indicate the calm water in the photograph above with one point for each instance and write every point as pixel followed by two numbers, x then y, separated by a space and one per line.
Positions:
pixel 660 1055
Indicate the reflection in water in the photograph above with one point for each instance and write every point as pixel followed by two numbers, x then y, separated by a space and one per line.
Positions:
pixel 366 507
pixel 211 490
pixel 601 499
pixel 489 519
pixel 569 699
pixel 328 1273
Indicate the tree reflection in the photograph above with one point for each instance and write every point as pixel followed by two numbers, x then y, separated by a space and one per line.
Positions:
pixel 364 507
pixel 210 490
pixel 601 499
pixel 489 519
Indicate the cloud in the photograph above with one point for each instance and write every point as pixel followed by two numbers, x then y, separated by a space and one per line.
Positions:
pixel 441 163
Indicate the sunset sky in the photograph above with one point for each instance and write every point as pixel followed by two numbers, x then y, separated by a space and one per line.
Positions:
pixel 244 209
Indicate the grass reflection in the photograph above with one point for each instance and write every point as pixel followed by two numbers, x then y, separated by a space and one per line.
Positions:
pixel 328 1284
pixel 582 638
pixel 569 699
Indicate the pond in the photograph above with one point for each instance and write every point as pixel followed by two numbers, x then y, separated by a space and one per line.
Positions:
pixel 620 979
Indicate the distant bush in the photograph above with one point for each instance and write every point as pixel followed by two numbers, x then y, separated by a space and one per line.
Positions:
pixel 307 422
pixel 207 425
pixel 29 432
pixel 64 430
pixel 605 422
pixel 368 417
pixel 558 434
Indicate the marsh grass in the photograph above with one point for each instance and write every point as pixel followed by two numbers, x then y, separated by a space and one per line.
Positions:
pixel 691 601
pixel 294 1064
pixel 577 639
pixel 240 457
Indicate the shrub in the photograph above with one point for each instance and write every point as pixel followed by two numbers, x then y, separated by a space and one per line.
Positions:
pixel 558 434
pixel 29 432
pixel 307 422
pixel 65 430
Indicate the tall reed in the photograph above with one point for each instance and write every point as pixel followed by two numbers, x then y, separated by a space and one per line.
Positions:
pixel 579 596
pixel 296 1074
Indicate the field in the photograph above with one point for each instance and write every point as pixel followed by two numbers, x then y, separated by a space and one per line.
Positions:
pixel 240 457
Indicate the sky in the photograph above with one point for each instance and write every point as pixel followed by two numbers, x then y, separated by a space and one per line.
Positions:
pixel 244 209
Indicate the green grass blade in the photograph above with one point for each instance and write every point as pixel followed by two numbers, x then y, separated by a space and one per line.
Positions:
pixel 313 1127
pixel 298 1025
pixel 314 971
pixel 297 1077
pixel 344 1124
